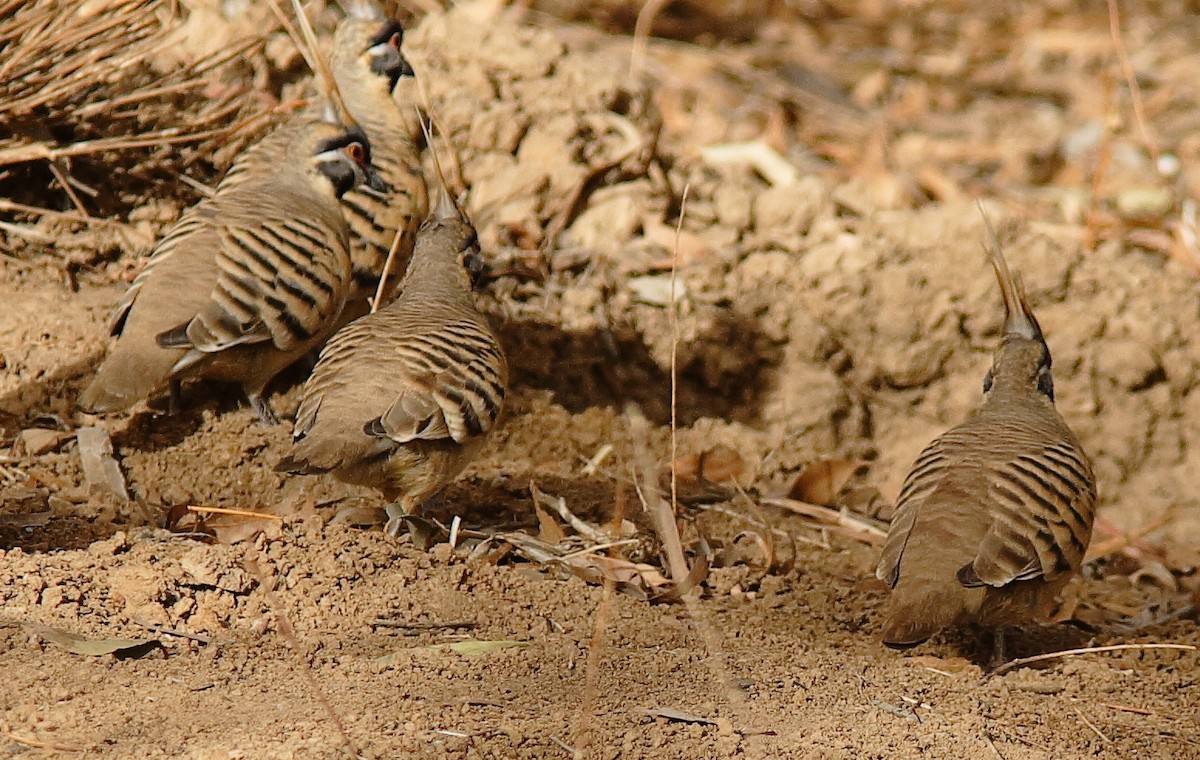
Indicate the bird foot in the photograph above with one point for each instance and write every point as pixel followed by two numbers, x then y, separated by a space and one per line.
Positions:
pixel 424 533
pixel 266 415
pixel 396 524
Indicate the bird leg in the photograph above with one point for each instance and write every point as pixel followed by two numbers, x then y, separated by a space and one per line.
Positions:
pixel 999 650
pixel 174 397
pixel 266 415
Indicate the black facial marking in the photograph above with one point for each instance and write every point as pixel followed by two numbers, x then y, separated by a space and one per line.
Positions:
pixel 390 28
pixel 988 379
pixel 1044 380
pixel 1046 383
pixel 353 135
pixel 390 62
pixel 340 174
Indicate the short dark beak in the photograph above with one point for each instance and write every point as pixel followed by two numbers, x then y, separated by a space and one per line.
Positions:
pixel 374 181
pixel 386 60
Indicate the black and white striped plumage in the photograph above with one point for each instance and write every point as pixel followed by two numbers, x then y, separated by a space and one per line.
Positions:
pixel 400 399
pixel 996 514
pixel 248 280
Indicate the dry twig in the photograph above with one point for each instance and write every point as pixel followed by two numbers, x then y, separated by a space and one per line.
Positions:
pixel 1023 661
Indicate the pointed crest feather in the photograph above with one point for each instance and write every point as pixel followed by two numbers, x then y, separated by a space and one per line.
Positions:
pixel 446 207
pixel 1018 316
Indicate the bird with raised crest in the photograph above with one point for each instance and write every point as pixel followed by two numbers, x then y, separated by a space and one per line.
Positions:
pixel 248 280
pixel 367 65
pixel 401 399
pixel 996 514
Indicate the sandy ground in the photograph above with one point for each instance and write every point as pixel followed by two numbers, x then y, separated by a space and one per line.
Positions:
pixel 844 314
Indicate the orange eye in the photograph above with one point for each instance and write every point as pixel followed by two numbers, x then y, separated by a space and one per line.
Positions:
pixel 355 151
pixel 395 41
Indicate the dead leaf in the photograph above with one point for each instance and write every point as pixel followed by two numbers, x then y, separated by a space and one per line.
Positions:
pixel 720 464
pixel 467 648
pixel 99 465
pixel 821 481
pixel 677 715
pixel 549 530
pixel 76 644
pixel 425 534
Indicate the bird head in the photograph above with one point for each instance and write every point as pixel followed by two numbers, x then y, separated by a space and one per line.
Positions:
pixel 447 230
pixel 344 158
pixel 368 48
pixel 1023 359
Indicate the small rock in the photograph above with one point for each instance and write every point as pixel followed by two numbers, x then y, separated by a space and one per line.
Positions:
pixel 733 204
pixel 219 570
pixel 37 441
pixel 111 546
pixel 100 468
pixel 1144 202
pixel 609 221
pixel 655 290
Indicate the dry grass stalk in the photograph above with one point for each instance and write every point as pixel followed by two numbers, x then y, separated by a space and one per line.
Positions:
pixel 267 582
pixel 1023 661
pixel 77 80
pixel 1135 92
pixel 233 512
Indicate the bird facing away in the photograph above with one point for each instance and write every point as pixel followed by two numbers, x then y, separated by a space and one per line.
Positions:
pixel 402 399
pixel 996 514
pixel 248 280
pixel 367 65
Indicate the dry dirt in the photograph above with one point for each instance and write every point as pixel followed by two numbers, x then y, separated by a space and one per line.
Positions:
pixel 845 313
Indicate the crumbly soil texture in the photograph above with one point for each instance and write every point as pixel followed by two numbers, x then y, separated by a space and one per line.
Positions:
pixel 775 203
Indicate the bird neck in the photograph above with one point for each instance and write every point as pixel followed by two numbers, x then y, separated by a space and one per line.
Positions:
pixel 374 108
pixel 438 273
pixel 1008 395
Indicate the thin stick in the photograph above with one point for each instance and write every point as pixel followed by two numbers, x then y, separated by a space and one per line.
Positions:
pixel 65 185
pixel 675 351
pixel 169 632
pixel 29 234
pixel 460 181
pixel 387 268
pixel 1021 661
pixel 992 746
pixel 394 249
pixel 641 33
pixel 1092 726
pixel 596 649
pixel 31 742
pixel 235 512
pixel 598 548
pixel 7 205
pixel 1135 93
pixel 289 633
pixel 1103 155
pixel 1127 708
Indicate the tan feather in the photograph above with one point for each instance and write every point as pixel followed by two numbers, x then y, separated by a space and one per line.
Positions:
pixel 247 281
pixel 996 514
pixel 367 64
pixel 401 398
